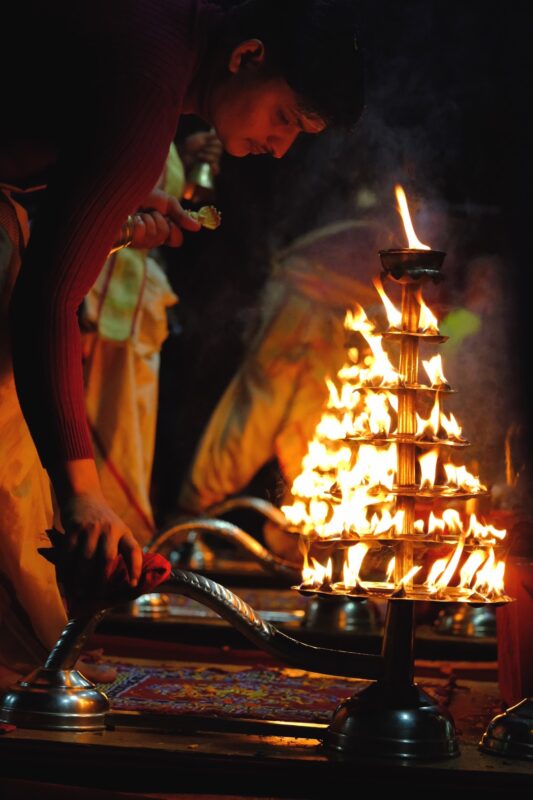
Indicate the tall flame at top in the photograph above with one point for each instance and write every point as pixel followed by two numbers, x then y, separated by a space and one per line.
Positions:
pixel 414 242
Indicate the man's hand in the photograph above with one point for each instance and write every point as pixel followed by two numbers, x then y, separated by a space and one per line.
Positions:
pixel 151 229
pixel 95 536
pixel 160 221
pixel 202 146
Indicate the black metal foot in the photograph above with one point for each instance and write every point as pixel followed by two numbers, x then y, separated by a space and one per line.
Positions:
pixel 382 722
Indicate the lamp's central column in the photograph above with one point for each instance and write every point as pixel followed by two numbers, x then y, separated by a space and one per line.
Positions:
pixel 407 422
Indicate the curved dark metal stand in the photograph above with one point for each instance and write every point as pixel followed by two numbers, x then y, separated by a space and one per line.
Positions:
pixel 392 717
pixel 265 636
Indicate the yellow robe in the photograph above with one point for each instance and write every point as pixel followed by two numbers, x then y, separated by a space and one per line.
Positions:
pixel 31 610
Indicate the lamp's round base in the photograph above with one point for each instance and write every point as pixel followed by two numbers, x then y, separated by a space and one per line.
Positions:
pixel 465 620
pixel 151 605
pixel 511 734
pixel 383 723
pixel 342 615
pixel 61 700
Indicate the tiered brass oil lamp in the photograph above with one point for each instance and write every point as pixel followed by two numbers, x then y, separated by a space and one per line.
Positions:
pixel 366 501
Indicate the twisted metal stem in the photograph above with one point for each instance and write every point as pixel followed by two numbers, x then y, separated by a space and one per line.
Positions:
pixel 68 647
pixel 265 636
pixel 242 617
pixel 407 424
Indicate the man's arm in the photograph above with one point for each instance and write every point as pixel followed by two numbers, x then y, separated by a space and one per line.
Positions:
pixel 101 176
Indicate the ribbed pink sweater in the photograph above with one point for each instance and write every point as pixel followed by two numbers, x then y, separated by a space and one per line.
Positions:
pixel 94 94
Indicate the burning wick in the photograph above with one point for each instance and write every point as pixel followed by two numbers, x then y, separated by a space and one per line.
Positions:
pixel 393 315
pixel 317 576
pixel 428 322
pixel 435 374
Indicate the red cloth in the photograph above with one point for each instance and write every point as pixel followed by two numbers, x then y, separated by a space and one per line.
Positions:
pixel 515 633
pixel 5 728
pixel 90 107
pixel 113 590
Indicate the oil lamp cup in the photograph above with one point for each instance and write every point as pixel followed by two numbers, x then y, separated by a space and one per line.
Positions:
pixel 405 265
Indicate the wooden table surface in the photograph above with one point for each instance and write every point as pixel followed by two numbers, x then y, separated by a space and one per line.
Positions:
pixel 152 753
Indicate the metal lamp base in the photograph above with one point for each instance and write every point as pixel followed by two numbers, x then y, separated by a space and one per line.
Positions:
pixel 511 734
pixel 151 605
pixel 385 722
pixel 54 699
pixel 466 620
pixel 342 615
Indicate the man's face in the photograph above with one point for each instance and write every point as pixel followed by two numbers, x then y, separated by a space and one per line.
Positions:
pixel 255 115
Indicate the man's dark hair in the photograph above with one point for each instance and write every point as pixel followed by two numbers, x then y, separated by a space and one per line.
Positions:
pixel 312 44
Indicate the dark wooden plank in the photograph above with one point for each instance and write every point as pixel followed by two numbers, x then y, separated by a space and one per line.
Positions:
pixel 257 765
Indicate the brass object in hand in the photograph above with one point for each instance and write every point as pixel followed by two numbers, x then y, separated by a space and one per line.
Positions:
pixel 208 216
pixel 200 186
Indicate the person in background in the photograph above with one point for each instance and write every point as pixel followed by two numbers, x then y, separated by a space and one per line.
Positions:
pixel 272 405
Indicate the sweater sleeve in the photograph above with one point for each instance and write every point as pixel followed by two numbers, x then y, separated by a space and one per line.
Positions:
pixel 103 173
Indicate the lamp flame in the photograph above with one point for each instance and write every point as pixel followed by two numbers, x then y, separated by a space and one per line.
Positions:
pixel 394 316
pixel 352 565
pixel 316 575
pixel 451 427
pixel 414 242
pixel 428 428
pixel 434 371
pixel 428 468
pixel 428 322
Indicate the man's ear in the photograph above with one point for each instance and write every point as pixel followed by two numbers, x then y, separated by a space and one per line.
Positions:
pixel 252 51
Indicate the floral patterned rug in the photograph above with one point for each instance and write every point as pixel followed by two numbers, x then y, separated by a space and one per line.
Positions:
pixel 228 691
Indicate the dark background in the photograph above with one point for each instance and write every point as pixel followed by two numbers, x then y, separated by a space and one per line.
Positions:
pixel 448 88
